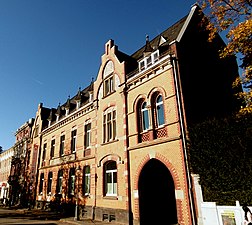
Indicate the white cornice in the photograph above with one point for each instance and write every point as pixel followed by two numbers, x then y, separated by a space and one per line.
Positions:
pixel 188 19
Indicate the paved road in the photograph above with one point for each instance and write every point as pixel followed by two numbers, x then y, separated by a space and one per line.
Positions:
pixel 11 217
pixel 19 217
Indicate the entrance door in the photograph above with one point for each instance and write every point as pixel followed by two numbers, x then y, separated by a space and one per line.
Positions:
pixel 157 202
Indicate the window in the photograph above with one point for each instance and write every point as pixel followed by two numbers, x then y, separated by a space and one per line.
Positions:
pixel 59 181
pixel 52 148
pixel 86 181
pixel 44 152
pixel 62 143
pixel 149 60
pixel 36 132
pixel 108 86
pixel 109 126
pixel 108 78
pixel 141 65
pixel 87 138
pixel 110 187
pixel 160 111
pixel 73 141
pixel 49 185
pixel 145 117
pixel 41 183
pixel 155 116
pixel 155 56
pixel 71 181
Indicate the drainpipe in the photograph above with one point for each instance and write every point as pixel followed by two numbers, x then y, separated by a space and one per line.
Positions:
pixel 96 177
pixel 125 92
pixel 174 62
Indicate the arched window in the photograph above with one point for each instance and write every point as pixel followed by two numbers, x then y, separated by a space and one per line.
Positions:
pixel 110 179
pixel 144 117
pixel 160 111
pixel 108 77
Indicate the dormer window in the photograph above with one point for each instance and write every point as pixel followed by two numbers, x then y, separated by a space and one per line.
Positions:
pixel 142 65
pixel 149 60
pixel 91 96
pixel 155 56
pixel 78 103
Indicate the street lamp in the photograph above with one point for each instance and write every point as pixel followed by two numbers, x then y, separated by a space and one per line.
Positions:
pixel 76 217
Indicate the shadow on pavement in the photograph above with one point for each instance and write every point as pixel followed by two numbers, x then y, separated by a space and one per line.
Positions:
pixel 29 224
pixel 31 214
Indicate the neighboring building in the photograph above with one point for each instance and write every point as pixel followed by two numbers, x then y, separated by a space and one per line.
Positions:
pixel 118 147
pixel 5 166
pixel 19 178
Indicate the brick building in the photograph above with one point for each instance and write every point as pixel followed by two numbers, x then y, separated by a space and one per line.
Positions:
pixel 118 147
pixel 5 165
pixel 19 172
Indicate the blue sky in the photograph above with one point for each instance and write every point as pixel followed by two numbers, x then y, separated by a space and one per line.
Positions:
pixel 50 48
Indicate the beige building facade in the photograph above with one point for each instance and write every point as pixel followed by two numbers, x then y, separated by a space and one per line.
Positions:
pixel 117 150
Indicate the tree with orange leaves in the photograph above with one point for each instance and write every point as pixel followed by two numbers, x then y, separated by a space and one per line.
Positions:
pixel 235 18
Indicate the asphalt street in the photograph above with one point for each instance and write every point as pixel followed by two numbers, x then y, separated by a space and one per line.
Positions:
pixel 8 217
pixel 25 217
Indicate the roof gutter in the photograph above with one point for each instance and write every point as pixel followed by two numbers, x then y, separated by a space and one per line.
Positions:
pixel 183 134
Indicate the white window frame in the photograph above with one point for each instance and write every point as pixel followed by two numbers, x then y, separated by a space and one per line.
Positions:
pixel 72 181
pixel 73 140
pixel 87 178
pixel 157 110
pixel 113 185
pixel 149 60
pixel 52 147
pixel 109 85
pixel 49 182
pixel 60 181
pixel 62 143
pixel 143 112
pixel 109 125
pixel 87 135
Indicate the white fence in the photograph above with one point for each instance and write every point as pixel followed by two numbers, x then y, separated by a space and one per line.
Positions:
pixel 213 214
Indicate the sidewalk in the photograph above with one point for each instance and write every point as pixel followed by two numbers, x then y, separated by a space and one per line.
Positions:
pixel 37 213
pixel 71 220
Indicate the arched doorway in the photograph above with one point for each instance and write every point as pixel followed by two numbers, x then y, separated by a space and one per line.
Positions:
pixel 157 203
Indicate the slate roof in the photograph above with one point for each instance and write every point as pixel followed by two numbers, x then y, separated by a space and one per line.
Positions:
pixel 169 34
pixel 131 61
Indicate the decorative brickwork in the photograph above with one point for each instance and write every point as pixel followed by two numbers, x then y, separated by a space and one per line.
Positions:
pixel 161 132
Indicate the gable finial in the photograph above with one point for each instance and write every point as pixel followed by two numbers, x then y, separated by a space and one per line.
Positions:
pixel 147 38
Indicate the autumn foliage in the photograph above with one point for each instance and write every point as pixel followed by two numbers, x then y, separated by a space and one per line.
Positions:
pixel 234 18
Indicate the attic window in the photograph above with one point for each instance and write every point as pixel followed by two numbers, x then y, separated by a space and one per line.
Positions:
pixel 155 56
pixel 108 78
pixel 141 65
pixel 109 86
pixel 149 60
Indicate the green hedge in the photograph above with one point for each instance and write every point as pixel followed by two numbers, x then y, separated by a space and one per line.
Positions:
pixel 220 151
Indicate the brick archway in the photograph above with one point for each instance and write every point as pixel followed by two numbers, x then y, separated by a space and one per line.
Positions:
pixel 174 176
